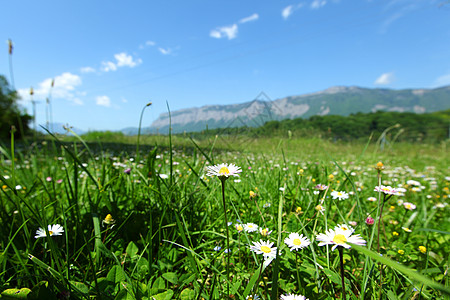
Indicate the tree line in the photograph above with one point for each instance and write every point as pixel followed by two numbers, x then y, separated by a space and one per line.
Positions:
pixel 404 126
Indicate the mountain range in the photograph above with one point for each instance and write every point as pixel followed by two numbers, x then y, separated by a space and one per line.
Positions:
pixel 338 100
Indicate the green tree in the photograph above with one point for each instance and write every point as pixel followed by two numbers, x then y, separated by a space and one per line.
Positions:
pixel 10 113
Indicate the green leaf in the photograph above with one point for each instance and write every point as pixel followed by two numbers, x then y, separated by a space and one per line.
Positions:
pixel 115 275
pixel 171 277
pixel 391 295
pixel 158 285
pixel 124 295
pixel 15 293
pixel 80 286
pixel 333 276
pixel 132 250
pixel 167 295
pixel 187 294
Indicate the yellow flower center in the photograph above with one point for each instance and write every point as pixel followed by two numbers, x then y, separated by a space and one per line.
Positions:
pixel 50 232
pixel 265 249
pixel 297 242
pixel 264 232
pixel 339 239
pixel 224 171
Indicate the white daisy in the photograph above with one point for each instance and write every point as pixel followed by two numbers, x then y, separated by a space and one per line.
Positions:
pixel 265 231
pixel 265 248
pixel 320 208
pixel 252 297
pixel 250 227
pixel 296 241
pixel 409 206
pixel 339 195
pixel 239 227
pixel 339 237
pixel 52 230
pixel 386 189
pixel 293 297
pixel 344 227
pixel 223 171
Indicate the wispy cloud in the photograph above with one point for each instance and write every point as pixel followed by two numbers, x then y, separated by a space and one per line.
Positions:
pixel 108 66
pixel 397 9
pixel 147 44
pixel 316 4
pixel 64 87
pixel 442 80
pixel 103 101
pixel 87 70
pixel 289 10
pixel 253 17
pixel 226 31
pixel 230 32
pixel 122 60
pixel 165 51
pixel 385 79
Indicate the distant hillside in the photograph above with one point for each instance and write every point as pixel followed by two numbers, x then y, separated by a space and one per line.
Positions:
pixel 338 100
pixel 404 126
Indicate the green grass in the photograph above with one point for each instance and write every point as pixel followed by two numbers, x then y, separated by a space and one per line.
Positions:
pixel 169 217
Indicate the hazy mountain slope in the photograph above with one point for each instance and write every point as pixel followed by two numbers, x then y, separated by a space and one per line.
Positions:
pixel 335 100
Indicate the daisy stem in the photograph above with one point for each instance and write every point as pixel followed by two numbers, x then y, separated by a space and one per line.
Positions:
pixel 296 265
pixel 262 217
pixel 228 238
pixel 379 222
pixel 341 258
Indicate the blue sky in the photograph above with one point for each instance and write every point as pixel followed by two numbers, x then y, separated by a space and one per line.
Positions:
pixel 110 58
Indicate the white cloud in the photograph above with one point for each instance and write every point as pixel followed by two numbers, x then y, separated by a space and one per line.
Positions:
pixel 147 44
pixel 316 4
pixel 108 66
pixel 103 101
pixel 64 87
pixel 253 17
pixel 122 60
pixel 287 11
pixel 165 51
pixel 226 31
pixel 442 80
pixel 385 79
pixel 87 70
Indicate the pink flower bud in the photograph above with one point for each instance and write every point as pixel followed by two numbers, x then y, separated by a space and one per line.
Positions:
pixel 370 221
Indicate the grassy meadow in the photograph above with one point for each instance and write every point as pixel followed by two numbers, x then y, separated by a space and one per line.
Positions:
pixel 348 220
